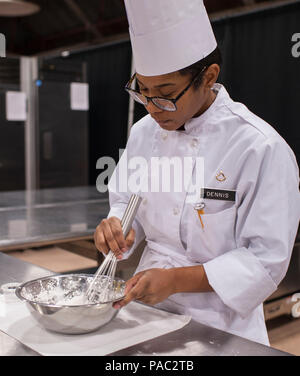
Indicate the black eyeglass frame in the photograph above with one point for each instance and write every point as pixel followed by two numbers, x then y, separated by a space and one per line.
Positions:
pixel 173 101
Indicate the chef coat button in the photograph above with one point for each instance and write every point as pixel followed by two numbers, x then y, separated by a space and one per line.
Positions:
pixel 194 143
pixel 164 136
pixel 176 211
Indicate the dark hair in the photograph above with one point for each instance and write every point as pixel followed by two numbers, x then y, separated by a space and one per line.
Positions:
pixel 214 58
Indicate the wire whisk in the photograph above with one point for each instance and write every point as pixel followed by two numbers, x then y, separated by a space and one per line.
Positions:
pixel 102 284
pixel 101 287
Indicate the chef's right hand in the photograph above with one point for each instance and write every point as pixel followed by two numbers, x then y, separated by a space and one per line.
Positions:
pixel 109 237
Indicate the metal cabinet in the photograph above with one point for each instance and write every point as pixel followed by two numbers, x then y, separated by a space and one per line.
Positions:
pixel 63 132
pixel 63 138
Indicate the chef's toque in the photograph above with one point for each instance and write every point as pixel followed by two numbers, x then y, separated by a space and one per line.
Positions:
pixel 168 35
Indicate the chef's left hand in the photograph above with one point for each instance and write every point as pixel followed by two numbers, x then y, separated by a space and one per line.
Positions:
pixel 150 287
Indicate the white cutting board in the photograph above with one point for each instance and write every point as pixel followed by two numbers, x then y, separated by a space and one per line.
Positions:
pixel 134 324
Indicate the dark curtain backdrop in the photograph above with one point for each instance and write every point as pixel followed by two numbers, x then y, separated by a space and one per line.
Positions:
pixel 259 69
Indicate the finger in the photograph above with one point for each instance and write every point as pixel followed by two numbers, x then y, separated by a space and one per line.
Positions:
pixel 117 305
pixel 133 295
pixel 110 240
pixel 130 238
pixel 137 292
pixel 116 228
pixel 120 304
pixel 132 282
pixel 100 241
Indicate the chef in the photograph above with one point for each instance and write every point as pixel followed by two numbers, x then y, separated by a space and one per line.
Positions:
pixel 218 255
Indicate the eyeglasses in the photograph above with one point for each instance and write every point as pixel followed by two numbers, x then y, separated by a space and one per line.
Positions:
pixel 162 103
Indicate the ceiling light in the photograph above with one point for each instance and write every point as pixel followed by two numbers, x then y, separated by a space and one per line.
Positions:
pixel 17 8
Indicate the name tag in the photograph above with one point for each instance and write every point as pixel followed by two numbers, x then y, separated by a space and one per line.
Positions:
pixel 218 194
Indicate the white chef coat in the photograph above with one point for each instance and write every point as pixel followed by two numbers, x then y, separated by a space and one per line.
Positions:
pixel 246 245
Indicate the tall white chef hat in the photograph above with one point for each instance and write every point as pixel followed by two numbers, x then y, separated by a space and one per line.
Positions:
pixel 168 35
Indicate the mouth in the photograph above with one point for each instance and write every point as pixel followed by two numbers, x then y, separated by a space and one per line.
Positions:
pixel 162 122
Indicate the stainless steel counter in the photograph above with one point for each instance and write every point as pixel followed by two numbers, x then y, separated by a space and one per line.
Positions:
pixel 14 270
pixel 193 340
pixel 49 216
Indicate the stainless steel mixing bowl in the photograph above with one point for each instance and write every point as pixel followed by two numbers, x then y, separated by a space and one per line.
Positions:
pixel 41 297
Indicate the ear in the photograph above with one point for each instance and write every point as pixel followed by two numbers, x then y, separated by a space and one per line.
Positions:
pixel 211 75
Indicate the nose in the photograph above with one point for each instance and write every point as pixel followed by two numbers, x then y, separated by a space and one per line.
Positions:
pixel 152 109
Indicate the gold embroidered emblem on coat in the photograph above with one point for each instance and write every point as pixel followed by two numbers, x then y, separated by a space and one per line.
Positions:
pixel 221 176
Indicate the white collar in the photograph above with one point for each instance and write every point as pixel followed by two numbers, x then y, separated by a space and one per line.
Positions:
pixel 195 125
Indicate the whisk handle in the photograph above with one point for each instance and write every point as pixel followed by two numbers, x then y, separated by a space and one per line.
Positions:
pixel 130 213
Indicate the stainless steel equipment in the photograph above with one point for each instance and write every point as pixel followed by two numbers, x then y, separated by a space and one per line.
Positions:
pixel 49 300
pixel 49 216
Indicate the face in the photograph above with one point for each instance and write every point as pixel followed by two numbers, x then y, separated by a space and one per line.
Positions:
pixel 191 104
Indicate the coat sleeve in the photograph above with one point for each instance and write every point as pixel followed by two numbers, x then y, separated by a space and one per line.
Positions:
pixel 265 230
pixel 119 195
